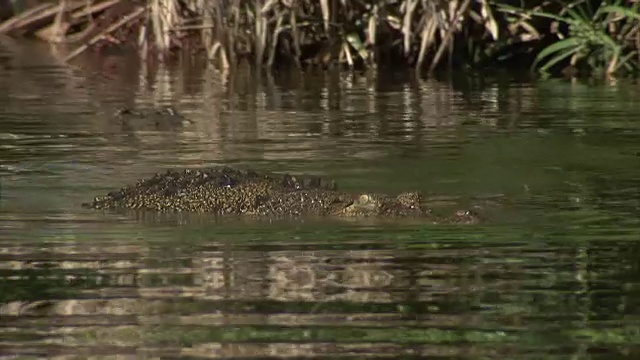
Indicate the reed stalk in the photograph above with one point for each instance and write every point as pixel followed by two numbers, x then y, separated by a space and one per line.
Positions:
pixel 426 34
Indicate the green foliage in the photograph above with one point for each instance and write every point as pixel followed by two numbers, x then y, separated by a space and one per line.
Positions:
pixel 598 38
pixel 596 35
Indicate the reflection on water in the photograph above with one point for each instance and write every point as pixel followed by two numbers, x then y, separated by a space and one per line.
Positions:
pixel 554 166
pixel 369 294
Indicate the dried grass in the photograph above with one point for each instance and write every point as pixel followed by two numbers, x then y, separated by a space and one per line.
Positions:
pixel 423 33
pixel 265 29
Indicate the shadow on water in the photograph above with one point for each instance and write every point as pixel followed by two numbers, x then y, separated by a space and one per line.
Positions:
pixel 552 273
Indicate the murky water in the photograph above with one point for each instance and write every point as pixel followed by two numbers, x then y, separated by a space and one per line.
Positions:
pixel 553 272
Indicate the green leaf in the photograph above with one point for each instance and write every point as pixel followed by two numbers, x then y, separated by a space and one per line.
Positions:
pixel 560 57
pixel 356 44
pixel 579 16
pixel 559 46
pixel 624 61
pixel 607 40
pixel 622 10
pixel 548 15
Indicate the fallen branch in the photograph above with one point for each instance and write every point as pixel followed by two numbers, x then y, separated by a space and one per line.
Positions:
pixel 14 22
pixel 132 16
pixel 75 37
pixel 35 15
pixel 94 9
pixel 192 27
pixel 53 33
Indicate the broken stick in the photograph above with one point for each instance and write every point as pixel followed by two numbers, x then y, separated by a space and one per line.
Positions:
pixel 132 16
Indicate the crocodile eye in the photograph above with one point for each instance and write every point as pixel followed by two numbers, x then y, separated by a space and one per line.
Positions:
pixel 463 213
pixel 364 198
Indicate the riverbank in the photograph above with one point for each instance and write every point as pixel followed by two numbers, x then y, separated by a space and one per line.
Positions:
pixel 554 165
pixel 578 38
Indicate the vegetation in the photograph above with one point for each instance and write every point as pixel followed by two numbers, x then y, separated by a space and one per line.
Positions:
pixel 586 36
pixel 602 37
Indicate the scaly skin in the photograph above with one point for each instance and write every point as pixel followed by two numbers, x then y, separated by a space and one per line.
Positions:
pixel 229 191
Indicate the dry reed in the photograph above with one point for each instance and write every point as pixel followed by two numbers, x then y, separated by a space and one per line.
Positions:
pixel 426 34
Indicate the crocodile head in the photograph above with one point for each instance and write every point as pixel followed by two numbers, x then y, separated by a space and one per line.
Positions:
pixel 468 216
pixel 405 204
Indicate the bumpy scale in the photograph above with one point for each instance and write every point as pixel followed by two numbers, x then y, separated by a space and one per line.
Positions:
pixel 229 191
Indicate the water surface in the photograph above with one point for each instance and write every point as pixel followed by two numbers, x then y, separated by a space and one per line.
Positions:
pixel 552 273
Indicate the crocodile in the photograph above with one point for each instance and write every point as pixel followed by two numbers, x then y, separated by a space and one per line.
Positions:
pixel 225 190
pixel 168 111
pixel 161 118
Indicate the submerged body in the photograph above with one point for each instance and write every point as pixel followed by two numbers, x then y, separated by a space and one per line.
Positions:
pixel 230 191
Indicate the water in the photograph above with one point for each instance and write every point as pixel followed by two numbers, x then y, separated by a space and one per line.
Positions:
pixel 552 273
